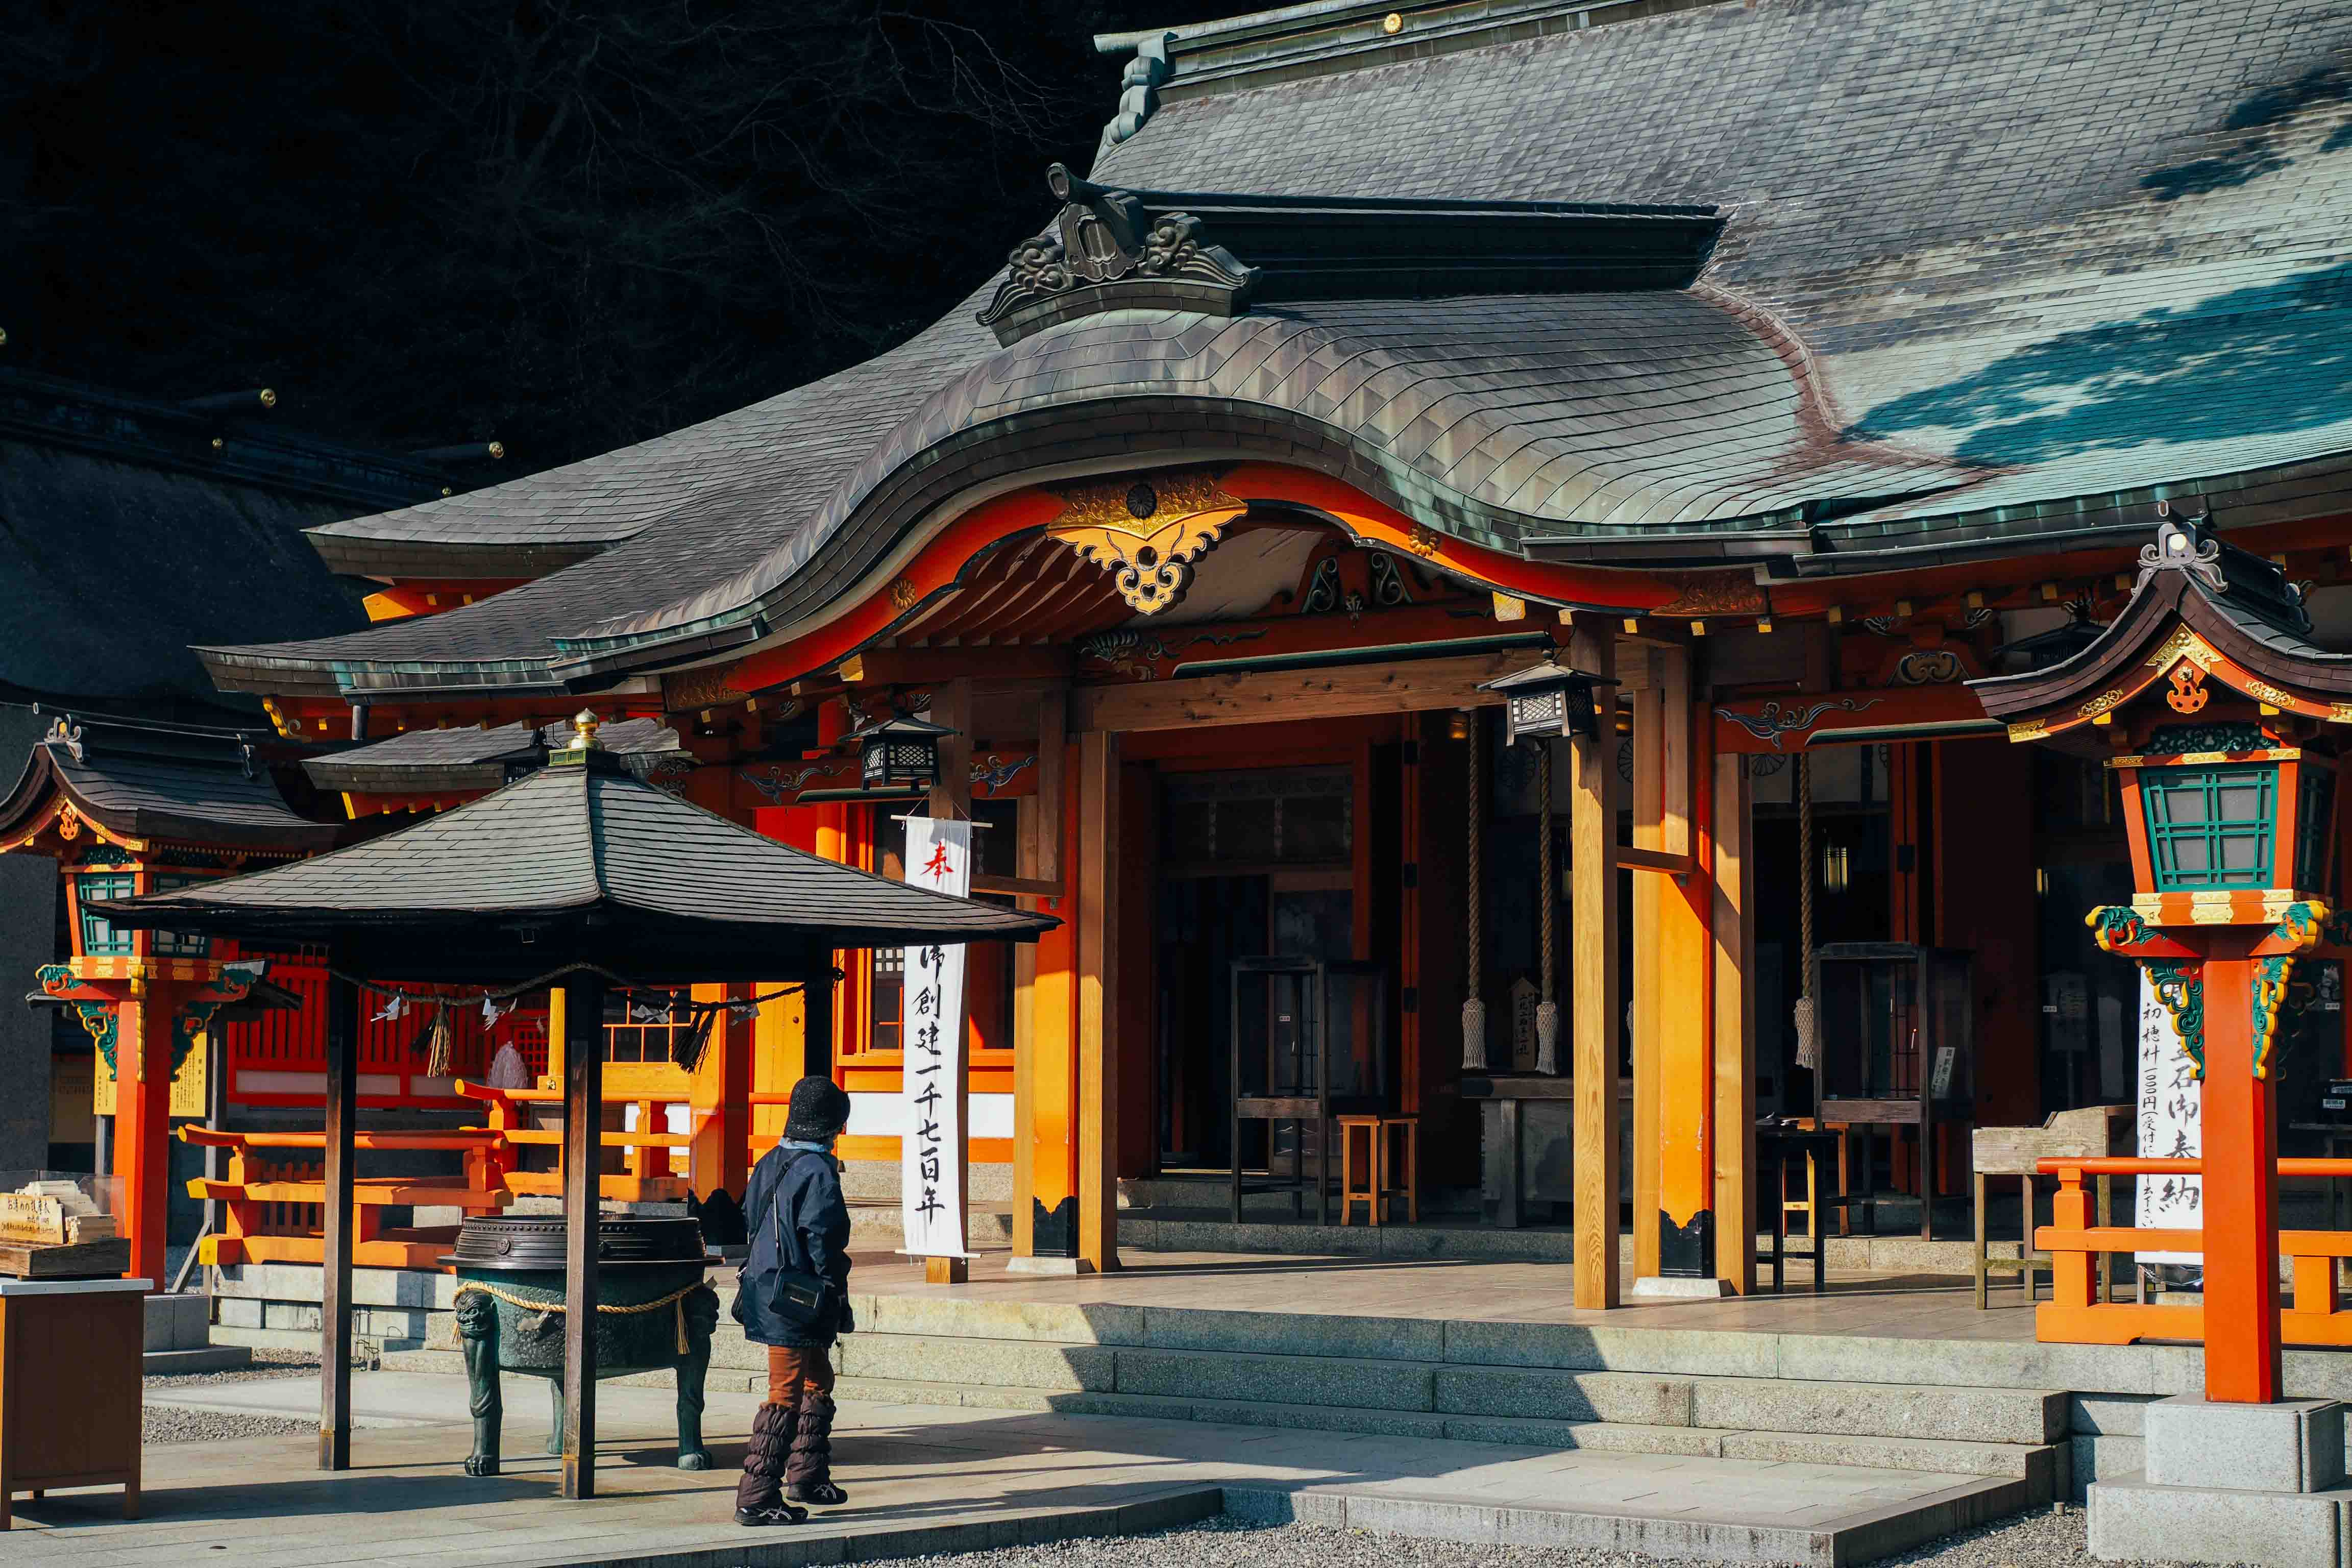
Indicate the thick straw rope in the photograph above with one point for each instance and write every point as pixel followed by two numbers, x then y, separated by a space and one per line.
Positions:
pixel 1473 1007
pixel 556 1309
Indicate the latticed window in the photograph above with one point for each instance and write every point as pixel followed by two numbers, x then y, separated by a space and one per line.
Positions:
pixel 101 936
pixel 2209 827
pixel 178 944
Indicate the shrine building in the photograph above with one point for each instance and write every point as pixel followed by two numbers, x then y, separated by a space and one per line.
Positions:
pixel 1457 564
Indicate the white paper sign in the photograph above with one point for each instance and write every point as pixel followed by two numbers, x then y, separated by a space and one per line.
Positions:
pixel 931 1148
pixel 2172 1127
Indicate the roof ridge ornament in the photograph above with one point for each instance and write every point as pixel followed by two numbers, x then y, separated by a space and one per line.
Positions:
pixel 573 753
pixel 2183 545
pixel 1104 251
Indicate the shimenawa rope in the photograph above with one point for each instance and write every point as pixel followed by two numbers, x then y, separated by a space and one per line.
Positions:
pixel 556 1309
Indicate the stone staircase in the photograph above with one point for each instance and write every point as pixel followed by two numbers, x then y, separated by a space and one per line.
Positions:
pixel 1646 1392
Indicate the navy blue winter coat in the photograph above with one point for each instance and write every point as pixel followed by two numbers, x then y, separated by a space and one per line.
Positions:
pixel 794 1203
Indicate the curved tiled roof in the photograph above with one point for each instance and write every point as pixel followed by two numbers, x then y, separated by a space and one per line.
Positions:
pixel 1987 271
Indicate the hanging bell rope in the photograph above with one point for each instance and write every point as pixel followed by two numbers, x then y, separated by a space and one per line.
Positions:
pixel 1809 1035
pixel 1473 1007
pixel 1546 1010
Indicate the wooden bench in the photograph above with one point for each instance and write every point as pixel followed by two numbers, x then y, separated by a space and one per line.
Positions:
pixel 272 1211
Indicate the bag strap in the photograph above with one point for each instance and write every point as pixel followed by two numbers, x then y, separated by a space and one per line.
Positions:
pixel 776 1209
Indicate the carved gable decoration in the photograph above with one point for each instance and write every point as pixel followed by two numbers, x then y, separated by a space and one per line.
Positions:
pixel 1105 252
pixel 1147 530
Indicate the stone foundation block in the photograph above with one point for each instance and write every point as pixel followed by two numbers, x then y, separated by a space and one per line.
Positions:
pixel 2296 1446
pixel 2136 1521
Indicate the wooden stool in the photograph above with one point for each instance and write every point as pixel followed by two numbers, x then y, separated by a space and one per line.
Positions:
pixel 1379 1157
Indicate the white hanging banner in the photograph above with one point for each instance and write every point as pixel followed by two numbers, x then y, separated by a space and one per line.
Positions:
pixel 2172 1127
pixel 932 1150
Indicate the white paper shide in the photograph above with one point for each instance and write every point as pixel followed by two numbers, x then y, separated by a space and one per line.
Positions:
pixel 931 1147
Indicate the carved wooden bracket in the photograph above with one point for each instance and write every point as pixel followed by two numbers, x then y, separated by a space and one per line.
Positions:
pixel 1148 530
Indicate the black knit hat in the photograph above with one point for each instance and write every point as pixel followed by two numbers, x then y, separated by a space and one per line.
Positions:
pixel 819 1111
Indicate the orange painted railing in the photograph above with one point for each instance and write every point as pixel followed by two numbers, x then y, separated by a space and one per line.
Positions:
pixel 651 1176
pixel 271 1212
pixel 2314 1315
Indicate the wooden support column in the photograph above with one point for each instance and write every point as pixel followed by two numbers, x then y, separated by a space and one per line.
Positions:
pixel 583 1029
pixel 1685 968
pixel 1099 789
pixel 817 1014
pixel 950 799
pixel 720 1093
pixel 335 1278
pixel 1734 935
pixel 1044 1068
pixel 2241 1149
pixel 1592 984
pixel 142 1121
pixel 1643 671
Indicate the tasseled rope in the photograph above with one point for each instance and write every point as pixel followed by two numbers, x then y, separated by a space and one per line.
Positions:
pixel 1548 1010
pixel 436 1043
pixel 1474 1008
pixel 1809 1037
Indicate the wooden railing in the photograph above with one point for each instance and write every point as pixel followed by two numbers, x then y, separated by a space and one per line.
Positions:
pixel 650 1176
pixel 2314 1316
pixel 271 1211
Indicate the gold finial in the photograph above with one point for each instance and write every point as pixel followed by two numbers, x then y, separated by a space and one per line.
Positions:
pixel 583 728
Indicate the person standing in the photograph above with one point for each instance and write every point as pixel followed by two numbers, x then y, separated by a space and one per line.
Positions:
pixel 793 1296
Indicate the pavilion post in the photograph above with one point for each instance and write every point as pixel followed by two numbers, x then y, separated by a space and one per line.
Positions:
pixel 583 1148
pixel 1593 985
pixel 335 1278
pixel 816 1012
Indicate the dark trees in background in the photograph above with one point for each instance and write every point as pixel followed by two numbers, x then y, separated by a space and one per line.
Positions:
pixel 564 225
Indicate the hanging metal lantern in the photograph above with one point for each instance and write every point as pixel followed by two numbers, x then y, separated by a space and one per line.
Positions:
pixel 1549 700
pixel 899 753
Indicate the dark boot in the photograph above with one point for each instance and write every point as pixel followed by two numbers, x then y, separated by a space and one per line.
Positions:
pixel 758 1495
pixel 808 1474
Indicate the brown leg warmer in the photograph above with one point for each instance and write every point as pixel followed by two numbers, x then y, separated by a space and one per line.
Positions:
pixel 808 1474
pixel 758 1495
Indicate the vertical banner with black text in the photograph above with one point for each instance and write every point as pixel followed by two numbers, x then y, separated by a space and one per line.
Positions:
pixel 931 1137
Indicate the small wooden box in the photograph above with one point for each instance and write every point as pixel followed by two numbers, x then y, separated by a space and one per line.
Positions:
pixel 70 1396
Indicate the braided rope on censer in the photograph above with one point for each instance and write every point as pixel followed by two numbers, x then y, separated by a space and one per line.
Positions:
pixel 675 1298
pixel 1473 1006
pixel 1808 1038
pixel 1546 1010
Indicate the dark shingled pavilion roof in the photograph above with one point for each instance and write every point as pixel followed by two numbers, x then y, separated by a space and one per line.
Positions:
pixel 468 758
pixel 1991 278
pixel 146 785
pixel 576 862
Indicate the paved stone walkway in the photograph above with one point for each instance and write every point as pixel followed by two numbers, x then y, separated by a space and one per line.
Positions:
pixel 929 1479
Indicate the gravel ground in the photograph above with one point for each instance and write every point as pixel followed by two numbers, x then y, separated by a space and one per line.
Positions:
pixel 164 1424
pixel 264 1364
pixel 2050 1539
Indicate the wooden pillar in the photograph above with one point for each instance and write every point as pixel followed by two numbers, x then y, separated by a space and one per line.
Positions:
pixel 2241 1133
pixel 1652 678
pixel 335 1278
pixel 817 1014
pixel 1734 933
pixel 1046 1172
pixel 1099 873
pixel 583 1029
pixel 721 1088
pixel 1684 967
pixel 142 1122
pixel 1592 984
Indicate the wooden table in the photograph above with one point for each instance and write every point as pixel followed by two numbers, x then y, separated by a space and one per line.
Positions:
pixel 69 1386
